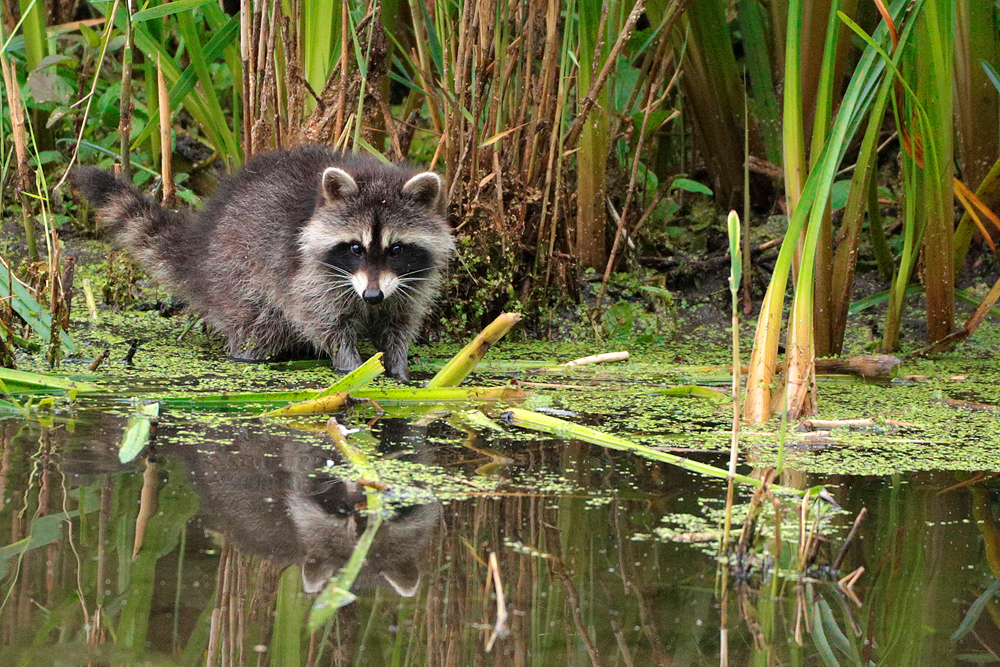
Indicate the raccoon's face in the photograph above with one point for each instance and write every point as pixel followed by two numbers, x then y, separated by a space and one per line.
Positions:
pixel 377 239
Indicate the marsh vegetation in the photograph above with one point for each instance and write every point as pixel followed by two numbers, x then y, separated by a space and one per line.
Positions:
pixel 167 505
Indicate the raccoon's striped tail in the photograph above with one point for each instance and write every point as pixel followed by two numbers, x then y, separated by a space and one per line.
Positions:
pixel 121 206
pixel 142 226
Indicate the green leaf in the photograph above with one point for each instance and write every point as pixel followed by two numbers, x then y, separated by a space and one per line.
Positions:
pixel 975 611
pixel 834 634
pixel 819 638
pixel 168 8
pixel 838 194
pixel 216 46
pixel 692 390
pixel 992 74
pixel 138 428
pixel 23 382
pixel 691 186
pixel 29 309
pixel 205 109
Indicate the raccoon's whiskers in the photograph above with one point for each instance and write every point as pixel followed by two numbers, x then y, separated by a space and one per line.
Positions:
pixel 410 273
pixel 408 288
pixel 337 270
pixel 340 288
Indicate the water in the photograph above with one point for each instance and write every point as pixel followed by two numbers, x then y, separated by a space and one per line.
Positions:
pixel 211 546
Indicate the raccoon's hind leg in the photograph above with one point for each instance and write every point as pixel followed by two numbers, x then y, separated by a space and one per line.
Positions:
pixel 255 333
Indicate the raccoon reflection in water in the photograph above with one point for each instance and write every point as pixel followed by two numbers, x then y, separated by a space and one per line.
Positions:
pixel 273 498
pixel 306 246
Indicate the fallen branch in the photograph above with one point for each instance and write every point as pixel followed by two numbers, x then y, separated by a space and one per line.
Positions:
pixel 606 357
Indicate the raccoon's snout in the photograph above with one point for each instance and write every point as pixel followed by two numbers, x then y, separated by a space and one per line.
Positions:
pixel 372 295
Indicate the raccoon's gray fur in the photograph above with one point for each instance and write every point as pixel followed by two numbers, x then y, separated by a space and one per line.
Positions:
pixel 300 246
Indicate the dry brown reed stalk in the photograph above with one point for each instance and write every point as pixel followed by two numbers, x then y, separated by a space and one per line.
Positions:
pixel 58 300
pixel 20 150
pixel 215 639
pixel 105 40
pixel 246 14
pixel 125 120
pixel 166 143
pixel 597 85
pixel 500 628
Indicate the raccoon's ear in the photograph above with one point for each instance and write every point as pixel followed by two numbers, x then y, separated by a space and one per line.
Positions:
pixel 315 574
pixel 404 578
pixel 425 188
pixel 338 184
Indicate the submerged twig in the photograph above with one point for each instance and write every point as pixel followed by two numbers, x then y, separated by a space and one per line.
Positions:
pixel 500 627
pixel 850 538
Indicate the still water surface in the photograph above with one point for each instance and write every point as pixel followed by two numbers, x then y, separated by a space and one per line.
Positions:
pixel 210 547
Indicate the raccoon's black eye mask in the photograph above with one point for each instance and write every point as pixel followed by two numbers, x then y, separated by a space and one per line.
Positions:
pixel 407 260
pixel 404 260
pixel 347 257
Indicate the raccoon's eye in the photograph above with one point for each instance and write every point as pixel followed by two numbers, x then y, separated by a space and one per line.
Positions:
pixel 357 249
pixel 395 250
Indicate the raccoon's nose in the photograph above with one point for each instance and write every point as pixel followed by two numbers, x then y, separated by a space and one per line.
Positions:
pixel 372 295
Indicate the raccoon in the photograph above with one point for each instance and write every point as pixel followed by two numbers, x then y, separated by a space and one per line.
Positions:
pixel 309 245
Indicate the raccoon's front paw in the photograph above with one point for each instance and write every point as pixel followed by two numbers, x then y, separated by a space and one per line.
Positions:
pixel 401 373
pixel 347 359
pixel 396 363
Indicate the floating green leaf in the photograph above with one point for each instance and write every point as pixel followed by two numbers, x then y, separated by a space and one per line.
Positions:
pixel 138 428
pixel 23 382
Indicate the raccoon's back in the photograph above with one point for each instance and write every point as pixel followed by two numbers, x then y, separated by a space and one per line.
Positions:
pixel 255 217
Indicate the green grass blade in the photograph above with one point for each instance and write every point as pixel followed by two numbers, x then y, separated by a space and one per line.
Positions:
pixel 32 312
pixel 819 639
pixel 975 611
pixel 222 134
pixel 765 102
pixel 168 8
pixel 46 530
pixel 223 40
